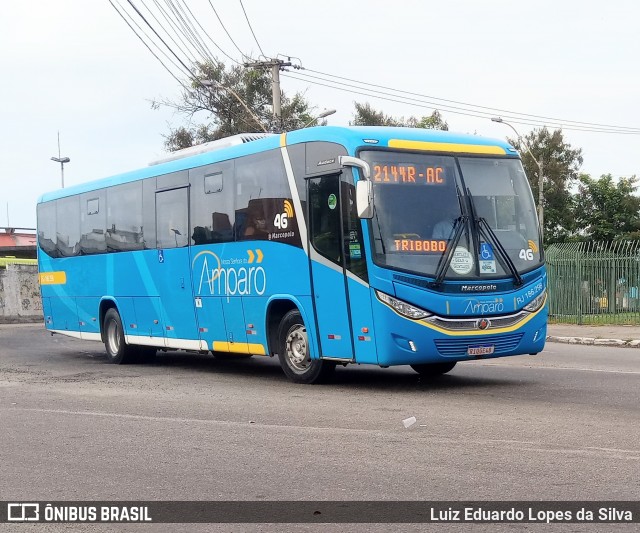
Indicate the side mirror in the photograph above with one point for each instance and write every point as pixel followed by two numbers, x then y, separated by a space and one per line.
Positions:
pixel 364 198
pixel 348 161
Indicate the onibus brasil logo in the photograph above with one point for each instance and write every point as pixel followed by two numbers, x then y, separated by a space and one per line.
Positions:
pixel 231 277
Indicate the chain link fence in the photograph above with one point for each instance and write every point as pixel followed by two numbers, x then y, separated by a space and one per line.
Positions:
pixel 594 282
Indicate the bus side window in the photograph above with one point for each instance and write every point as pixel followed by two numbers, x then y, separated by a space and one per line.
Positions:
pixel 93 222
pixel 212 203
pixel 68 226
pixel 124 217
pixel 172 218
pixel 324 216
pixel 149 213
pixel 47 228
pixel 263 201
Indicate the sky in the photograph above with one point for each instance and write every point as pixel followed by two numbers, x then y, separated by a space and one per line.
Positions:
pixel 74 67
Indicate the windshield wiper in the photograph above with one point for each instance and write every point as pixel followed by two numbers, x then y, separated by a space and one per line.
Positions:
pixel 490 236
pixel 485 231
pixel 457 229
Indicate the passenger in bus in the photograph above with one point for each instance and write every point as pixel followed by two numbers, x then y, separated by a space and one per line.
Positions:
pixel 256 225
pixel 443 230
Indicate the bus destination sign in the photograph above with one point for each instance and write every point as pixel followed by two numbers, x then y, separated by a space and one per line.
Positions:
pixel 408 173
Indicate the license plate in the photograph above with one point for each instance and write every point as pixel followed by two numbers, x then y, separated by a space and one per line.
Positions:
pixel 480 350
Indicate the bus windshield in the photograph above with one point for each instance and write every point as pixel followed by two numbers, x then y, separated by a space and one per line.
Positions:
pixel 481 207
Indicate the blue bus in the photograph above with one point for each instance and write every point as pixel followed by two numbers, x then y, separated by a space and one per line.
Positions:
pixel 322 246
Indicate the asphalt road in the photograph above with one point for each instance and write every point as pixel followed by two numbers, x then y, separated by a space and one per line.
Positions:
pixel 562 425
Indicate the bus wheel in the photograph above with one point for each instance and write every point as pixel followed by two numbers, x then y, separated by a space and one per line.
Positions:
pixel 118 352
pixel 434 369
pixel 294 353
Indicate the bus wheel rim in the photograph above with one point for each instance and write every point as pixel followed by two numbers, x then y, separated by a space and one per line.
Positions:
pixel 296 349
pixel 113 338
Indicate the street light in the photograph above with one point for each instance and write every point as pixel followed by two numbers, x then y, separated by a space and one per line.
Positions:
pixel 175 234
pixel 540 173
pixel 61 160
pixel 321 115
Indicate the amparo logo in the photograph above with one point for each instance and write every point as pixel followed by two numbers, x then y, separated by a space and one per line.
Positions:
pixel 225 277
pixel 483 307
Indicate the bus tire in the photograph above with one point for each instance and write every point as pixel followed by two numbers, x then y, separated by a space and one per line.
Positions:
pixel 294 353
pixel 118 351
pixel 432 370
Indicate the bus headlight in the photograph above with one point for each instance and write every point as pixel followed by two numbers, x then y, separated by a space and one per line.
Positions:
pixel 402 308
pixel 537 302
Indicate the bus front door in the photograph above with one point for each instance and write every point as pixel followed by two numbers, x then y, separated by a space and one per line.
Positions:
pixel 328 276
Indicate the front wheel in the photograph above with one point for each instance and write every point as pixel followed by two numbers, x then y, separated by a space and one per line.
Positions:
pixel 434 369
pixel 295 355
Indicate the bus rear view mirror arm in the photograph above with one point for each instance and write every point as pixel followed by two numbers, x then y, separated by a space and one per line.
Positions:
pixel 348 161
pixel 364 187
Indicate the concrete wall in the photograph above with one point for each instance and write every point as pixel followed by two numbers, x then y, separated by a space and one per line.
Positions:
pixel 20 294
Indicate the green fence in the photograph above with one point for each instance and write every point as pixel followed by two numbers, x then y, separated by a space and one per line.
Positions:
pixel 594 282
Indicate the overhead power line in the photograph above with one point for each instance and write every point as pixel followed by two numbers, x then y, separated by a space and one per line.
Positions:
pixel 184 47
pixel 188 70
pixel 396 95
pixel 188 29
pixel 146 45
pixel 226 31
pixel 493 109
pixel 251 28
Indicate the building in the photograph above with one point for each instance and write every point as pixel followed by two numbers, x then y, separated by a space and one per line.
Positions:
pixel 18 244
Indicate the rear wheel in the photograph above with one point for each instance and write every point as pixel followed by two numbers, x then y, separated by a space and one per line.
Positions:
pixel 295 355
pixel 434 369
pixel 118 351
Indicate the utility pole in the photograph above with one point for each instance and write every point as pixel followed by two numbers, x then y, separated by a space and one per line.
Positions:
pixel 275 65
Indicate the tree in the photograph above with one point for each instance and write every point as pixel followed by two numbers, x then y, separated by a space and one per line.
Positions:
pixel 606 210
pixel 235 100
pixel 365 115
pixel 560 165
pixel 432 122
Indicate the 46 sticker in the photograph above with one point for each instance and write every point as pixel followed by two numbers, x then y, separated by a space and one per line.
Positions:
pixel 281 220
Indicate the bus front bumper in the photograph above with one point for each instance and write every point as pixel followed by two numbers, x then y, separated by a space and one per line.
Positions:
pixel 402 341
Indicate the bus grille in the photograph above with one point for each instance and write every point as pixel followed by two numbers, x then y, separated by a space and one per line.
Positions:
pixel 458 347
pixel 471 324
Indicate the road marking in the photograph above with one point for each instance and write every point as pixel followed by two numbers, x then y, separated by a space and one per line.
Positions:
pixel 533 446
pixel 564 368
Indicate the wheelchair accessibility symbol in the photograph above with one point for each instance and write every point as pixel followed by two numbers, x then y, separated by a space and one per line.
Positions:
pixel 486 252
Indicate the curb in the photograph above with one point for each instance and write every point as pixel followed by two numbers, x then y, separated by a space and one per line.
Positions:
pixel 591 341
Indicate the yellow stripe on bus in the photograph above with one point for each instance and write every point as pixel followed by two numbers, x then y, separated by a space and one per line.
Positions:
pixel 53 278
pixel 447 147
pixel 239 347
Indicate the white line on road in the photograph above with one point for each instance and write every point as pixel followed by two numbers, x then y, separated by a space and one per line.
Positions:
pixel 534 367
pixel 541 447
